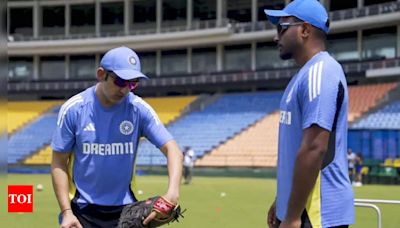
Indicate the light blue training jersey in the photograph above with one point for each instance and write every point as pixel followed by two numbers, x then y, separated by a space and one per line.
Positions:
pixel 104 143
pixel 317 94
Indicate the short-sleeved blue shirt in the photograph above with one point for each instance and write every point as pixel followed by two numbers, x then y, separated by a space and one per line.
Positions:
pixel 104 143
pixel 317 94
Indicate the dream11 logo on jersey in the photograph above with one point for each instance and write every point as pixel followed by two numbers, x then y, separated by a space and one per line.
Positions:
pixel 20 198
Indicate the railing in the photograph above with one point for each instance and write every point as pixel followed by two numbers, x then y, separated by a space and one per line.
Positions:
pixel 143 29
pixel 243 27
pixel 154 82
pixel 202 79
pixel 368 65
pixel 389 7
pixel 346 14
pixel 370 203
pixel 236 27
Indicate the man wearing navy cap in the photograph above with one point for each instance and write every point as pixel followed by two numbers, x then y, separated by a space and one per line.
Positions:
pixel 95 145
pixel 313 187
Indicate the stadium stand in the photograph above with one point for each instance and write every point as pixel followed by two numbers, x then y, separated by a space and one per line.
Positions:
pixel 385 118
pixel 204 130
pixel 255 147
pixel 22 112
pixel 225 144
pixel 31 138
pixel 363 98
pixel 205 47
pixel 376 136
pixel 233 153
pixel 209 47
pixel 168 109
pixel 40 158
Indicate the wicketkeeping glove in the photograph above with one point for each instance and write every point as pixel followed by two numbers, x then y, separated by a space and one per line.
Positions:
pixel 133 215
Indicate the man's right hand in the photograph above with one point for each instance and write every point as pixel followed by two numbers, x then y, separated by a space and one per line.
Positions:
pixel 271 219
pixel 70 220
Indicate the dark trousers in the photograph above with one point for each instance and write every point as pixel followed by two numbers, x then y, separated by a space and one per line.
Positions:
pixel 187 174
pixel 92 215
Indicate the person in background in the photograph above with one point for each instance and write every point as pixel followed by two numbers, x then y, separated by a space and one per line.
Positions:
pixel 188 164
pixel 351 158
pixel 358 168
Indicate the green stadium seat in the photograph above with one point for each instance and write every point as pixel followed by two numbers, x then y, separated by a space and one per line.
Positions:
pixel 373 174
pixel 388 174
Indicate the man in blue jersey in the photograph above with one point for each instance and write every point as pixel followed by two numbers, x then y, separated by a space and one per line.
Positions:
pixel 313 187
pixel 96 141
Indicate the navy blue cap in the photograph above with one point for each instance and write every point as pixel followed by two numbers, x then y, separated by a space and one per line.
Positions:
pixel 124 62
pixel 311 11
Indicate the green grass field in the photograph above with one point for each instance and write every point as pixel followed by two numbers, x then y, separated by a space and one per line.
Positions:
pixel 244 205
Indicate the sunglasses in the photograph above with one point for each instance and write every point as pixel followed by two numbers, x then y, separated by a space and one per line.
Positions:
pixel 121 82
pixel 282 27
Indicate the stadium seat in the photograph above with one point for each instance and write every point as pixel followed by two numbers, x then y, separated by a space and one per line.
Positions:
pixel 23 112
pixel 388 162
pixel 258 145
pixel 169 108
pixel 364 171
pixel 372 162
pixel 396 163
pixel 37 152
pixel 386 118
pixel 388 174
pixel 218 122
pixel 43 157
pixel 31 138
pixel 363 98
pixel 373 174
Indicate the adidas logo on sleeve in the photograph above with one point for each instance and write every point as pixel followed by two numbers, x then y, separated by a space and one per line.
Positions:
pixel 89 127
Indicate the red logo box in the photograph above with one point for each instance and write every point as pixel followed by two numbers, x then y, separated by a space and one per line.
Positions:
pixel 20 198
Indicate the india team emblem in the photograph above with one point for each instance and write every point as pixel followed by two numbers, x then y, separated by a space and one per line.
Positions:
pixel 126 127
pixel 132 60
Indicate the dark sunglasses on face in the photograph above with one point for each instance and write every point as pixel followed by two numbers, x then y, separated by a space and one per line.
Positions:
pixel 121 82
pixel 282 27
